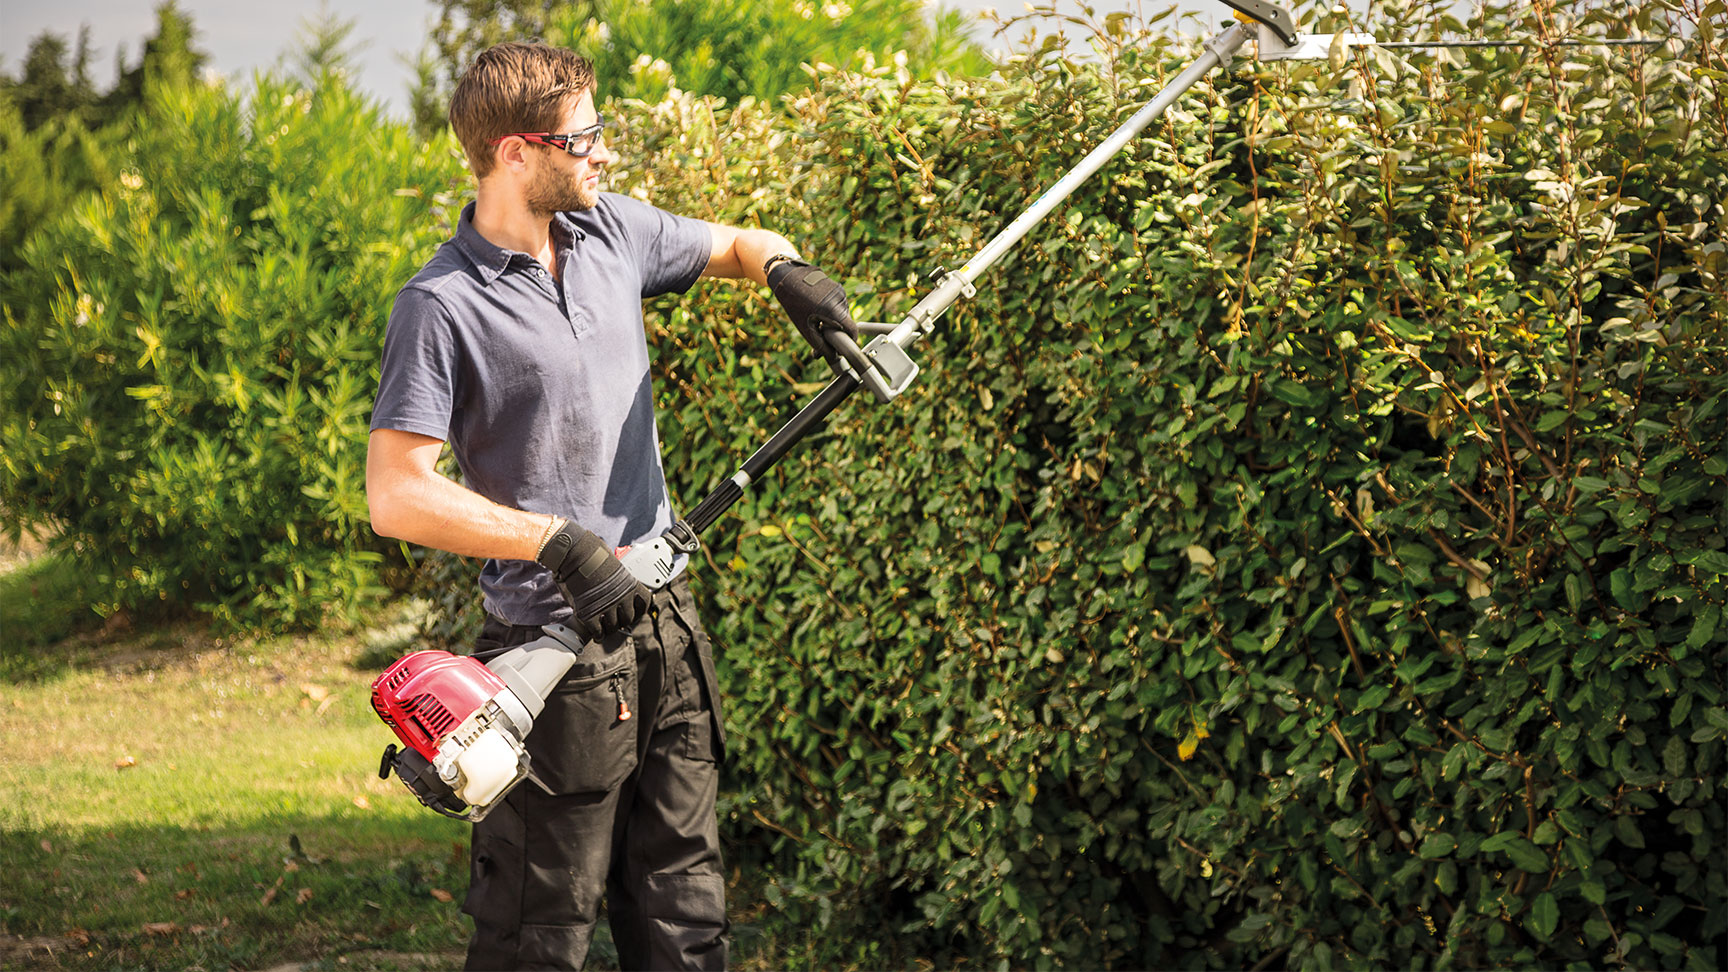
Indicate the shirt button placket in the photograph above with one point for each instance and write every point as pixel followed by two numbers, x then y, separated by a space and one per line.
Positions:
pixel 572 311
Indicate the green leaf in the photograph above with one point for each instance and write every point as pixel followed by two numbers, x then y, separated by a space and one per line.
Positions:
pixel 1293 392
pixel 1674 757
pixel 1526 855
pixel 1620 584
pixel 1438 845
pixel 1552 420
pixel 1544 915
pixel 1132 557
pixel 1346 827
pixel 1372 698
pixel 1703 625
pixel 1626 828
pixel 1496 842
pixel 1709 561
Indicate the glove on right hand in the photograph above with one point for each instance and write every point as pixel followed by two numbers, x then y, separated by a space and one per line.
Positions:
pixel 604 596
pixel 815 303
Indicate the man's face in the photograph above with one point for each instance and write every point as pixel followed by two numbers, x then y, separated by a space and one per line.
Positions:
pixel 560 182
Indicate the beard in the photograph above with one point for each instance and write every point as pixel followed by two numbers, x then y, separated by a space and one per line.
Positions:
pixel 558 190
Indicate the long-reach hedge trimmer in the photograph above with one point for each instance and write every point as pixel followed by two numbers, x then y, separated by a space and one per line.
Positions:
pixel 463 723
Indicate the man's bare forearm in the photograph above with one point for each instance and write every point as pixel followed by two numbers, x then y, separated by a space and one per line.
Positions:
pixel 756 246
pixel 740 253
pixel 414 503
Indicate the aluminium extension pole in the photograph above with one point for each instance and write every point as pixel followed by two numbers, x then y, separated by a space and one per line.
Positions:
pixel 923 317
pixel 955 284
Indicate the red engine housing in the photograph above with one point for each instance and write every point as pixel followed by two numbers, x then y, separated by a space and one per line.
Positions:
pixel 426 694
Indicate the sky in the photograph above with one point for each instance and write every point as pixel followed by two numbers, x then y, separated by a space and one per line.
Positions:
pixel 243 37
pixel 240 37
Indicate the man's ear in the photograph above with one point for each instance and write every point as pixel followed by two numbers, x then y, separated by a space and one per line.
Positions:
pixel 510 154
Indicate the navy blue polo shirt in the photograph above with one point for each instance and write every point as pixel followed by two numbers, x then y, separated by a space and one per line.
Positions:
pixel 542 387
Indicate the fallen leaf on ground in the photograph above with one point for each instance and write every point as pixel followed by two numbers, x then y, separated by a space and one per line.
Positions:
pixel 187 893
pixel 316 693
pixel 117 622
pixel 139 876
pixel 443 895
pixel 125 762
pixel 304 896
pixel 363 803
pixel 161 928
pixel 47 848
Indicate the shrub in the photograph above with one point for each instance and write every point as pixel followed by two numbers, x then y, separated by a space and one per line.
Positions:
pixel 42 168
pixel 1309 551
pixel 709 47
pixel 188 357
pixel 58 135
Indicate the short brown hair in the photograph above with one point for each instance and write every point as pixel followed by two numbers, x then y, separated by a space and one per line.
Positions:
pixel 514 88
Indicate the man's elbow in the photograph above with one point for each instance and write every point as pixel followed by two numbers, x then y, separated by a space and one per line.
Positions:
pixel 399 473
pixel 385 511
pixel 378 512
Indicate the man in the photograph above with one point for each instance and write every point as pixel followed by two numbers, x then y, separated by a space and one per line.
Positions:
pixel 521 344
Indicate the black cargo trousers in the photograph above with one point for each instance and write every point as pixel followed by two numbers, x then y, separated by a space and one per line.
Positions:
pixel 629 745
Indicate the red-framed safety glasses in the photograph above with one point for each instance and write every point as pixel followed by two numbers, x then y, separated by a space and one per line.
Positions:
pixel 579 143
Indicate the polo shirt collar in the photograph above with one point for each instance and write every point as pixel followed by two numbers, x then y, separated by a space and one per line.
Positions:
pixel 492 260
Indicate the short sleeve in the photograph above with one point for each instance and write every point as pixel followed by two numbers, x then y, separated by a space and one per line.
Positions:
pixel 417 379
pixel 671 250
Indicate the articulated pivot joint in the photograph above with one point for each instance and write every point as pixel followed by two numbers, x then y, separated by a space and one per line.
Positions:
pixel 1270 15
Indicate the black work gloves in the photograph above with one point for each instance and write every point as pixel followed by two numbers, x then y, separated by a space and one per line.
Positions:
pixel 604 596
pixel 816 304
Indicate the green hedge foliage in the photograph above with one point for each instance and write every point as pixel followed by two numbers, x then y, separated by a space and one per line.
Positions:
pixel 1309 549
pixel 189 358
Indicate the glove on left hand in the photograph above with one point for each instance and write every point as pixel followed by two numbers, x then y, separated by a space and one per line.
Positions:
pixel 815 303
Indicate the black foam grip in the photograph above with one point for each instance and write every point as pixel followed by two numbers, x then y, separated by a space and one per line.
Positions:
pixel 715 504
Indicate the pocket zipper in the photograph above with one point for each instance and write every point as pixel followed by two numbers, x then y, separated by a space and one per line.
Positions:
pixel 618 693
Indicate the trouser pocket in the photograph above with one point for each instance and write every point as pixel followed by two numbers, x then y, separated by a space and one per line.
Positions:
pixel 585 739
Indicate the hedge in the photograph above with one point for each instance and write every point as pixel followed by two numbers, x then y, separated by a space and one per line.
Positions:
pixel 1308 549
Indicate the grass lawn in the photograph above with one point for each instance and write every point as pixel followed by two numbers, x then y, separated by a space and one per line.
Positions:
pixel 175 799
pixel 178 800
